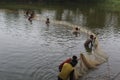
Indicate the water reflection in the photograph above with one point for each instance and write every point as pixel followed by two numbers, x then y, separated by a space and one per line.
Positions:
pixel 34 51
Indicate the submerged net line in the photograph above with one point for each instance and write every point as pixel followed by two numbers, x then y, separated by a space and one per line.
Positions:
pixel 86 62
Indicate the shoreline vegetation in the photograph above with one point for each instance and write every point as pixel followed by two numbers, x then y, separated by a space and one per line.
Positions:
pixel 110 5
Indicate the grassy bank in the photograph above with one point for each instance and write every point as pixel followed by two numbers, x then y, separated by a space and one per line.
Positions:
pixel 19 6
pixel 43 5
pixel 110 5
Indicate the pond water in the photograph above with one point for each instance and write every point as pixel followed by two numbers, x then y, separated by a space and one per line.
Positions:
pixel 34 51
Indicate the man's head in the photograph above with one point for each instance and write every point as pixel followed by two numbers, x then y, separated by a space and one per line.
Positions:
pixel 74 61
pixel 91 36
pixel 74 57
pixel 76 28
pixel 48 19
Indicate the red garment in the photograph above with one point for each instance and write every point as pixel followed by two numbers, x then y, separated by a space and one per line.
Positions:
pixel 66 61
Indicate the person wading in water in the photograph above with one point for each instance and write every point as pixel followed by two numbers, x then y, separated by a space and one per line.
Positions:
pixel 89 43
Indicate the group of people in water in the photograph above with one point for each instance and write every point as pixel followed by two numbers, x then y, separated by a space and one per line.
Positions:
pixel 66 68
pixel 30 15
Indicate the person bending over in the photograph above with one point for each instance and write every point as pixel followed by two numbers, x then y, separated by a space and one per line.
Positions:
pixel 67 71
pixel 89 43
pixel 67 61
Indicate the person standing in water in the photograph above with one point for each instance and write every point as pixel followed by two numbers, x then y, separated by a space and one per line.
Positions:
pixel 47 21
pixel 76 31
pixel 67 71
pixel 27 13
pixel 31 16
pixel 89 43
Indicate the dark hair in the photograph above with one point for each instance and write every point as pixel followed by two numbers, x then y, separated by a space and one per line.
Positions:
pixel 91 36
pixel 74 57
pixel 76 28
pixel 73 62
pixel 47 18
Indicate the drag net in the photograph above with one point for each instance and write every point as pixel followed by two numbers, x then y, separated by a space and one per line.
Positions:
pixel 86 61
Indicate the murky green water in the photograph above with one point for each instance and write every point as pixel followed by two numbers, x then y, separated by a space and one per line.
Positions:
pixel 34 51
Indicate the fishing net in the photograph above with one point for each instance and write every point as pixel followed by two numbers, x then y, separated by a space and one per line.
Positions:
pixel 86 61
